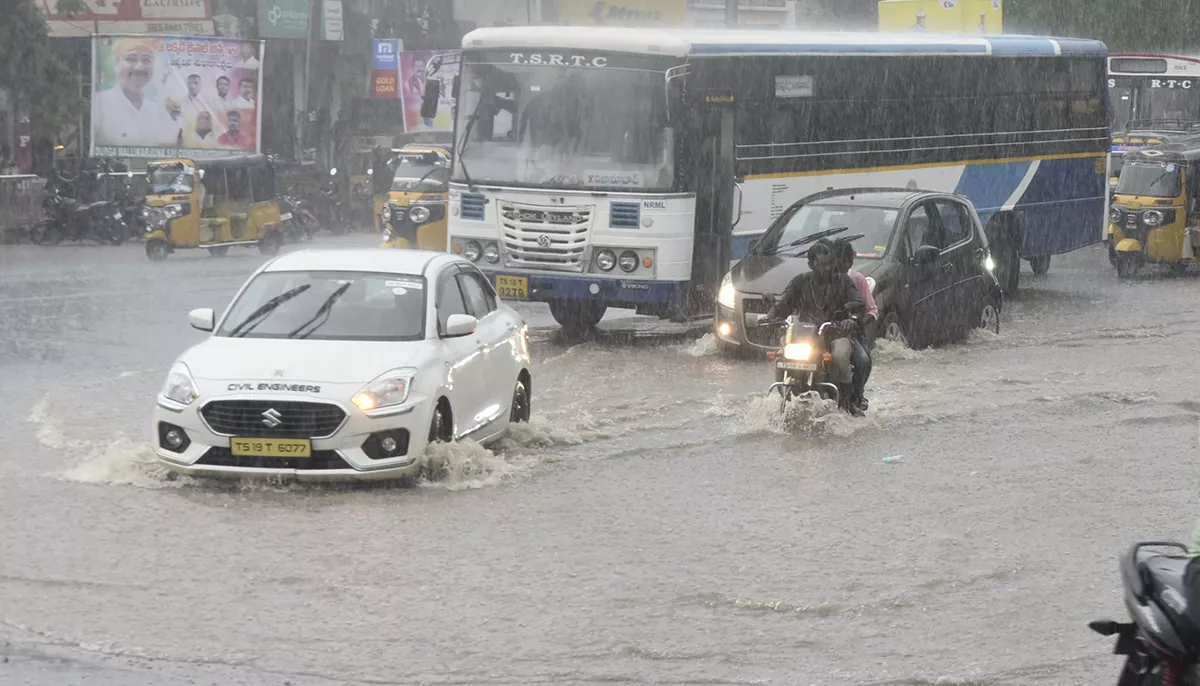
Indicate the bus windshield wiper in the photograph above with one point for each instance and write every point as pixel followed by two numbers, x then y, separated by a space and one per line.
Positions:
pixel 322 312
pixel 812 238
pixel 258 316
pixel 462 146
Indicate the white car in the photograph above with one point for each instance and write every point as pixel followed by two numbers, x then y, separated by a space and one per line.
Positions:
pixel 345 364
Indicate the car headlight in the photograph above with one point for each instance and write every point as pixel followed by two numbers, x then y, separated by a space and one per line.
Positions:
pixel 797 352
pixel 386 213
pixel 180 387
pixel 385 393
pixel 628 261
pixel 727 296
pixel 606 260
pixel 871 283
pixel 989 263
pixel 1114 215
pixel 419 214
pixel 471 251
pixel 1152 217
pixel 491 253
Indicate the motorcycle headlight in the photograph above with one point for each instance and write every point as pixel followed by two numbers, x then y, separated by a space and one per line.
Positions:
pixel 1152 217
pixel 386 213
pixel 180 387
pixel 419 214
pixel 383 395
pixel 797 352
pixel 727 296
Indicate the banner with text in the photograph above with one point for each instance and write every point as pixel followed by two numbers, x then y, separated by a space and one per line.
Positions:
pixel 187 17
pixel 175 95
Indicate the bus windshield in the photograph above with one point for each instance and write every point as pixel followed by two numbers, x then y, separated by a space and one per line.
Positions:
pixel 172 177
pixel 564 127
pixel 1153 179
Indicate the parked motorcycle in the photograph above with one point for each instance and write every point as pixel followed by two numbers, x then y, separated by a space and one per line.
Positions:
pixel 68 220
pixel 298 222
pixel 1161 644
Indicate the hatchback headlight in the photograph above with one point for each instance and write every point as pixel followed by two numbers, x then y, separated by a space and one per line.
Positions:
pixel 727 296
pixel 385 393
pixel 180 387
pixel 797 352
pixel 419 214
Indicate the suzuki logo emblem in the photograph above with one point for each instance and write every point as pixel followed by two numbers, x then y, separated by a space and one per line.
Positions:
pixel 272 418
pixel 544 241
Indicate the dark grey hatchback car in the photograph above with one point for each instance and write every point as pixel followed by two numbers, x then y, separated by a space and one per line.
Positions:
pixel 924 254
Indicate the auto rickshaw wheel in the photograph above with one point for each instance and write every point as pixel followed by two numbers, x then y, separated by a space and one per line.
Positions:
pixel 1127 265
pixel 269 244
pixel 157 249
pixel 218 250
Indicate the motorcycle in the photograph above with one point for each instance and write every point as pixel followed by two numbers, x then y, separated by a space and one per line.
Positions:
pixel 298 222
pixel 804 363
pixel 1161 645
pixel 68 220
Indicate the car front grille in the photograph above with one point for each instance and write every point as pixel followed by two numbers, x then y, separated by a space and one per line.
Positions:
pixel 320 460
pixel 541 237
pixel 273 418
pixel 755 305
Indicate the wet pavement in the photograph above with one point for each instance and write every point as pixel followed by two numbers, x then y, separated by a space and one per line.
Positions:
pixel 660 521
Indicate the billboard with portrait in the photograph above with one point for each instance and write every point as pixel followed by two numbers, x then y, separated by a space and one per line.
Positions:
pixel 414 73
pixel 162 96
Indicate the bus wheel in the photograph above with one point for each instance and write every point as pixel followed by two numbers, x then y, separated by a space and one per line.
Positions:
pixel 1040 265
pixel 577 317
pixel 157 250
pixel 269 244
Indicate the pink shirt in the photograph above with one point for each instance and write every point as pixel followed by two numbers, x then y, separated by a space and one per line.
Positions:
pixel 864 289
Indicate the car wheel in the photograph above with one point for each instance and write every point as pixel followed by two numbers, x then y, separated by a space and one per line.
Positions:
pixel 269 244
pixel 441 427
pixel 1127 265
pixel 989 316
pixel 1040 265
pixel 521 407
pixel 157 250
pixel 219 250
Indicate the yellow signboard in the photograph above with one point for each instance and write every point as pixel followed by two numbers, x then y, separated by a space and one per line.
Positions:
pixel 942 16
pixel 619 12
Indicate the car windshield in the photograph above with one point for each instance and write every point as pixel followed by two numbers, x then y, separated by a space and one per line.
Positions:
pixel 1153 179
pixel 331 306
pixel 563 126
pixel 174 177
pixel 411 170
pixel 875 224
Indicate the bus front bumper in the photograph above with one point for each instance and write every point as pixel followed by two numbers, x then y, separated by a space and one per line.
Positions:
pixel 615 292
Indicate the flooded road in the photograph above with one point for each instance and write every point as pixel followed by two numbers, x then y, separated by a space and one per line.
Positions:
pixel 660 521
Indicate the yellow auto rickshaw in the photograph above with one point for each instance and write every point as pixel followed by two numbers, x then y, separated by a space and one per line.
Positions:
pixel 1155 217
pixel 415 215
pixel 212 204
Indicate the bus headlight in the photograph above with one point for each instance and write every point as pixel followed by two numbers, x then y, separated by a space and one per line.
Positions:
pixel 491 253
pixel 419 214
pixel 628 261
pixel 727 296
pixel 471 251
pixel 797 352
pixel 606 260
pixel 1152 217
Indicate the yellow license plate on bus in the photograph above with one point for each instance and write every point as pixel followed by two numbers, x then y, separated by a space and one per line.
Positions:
pixel 271 447
pixel 512 287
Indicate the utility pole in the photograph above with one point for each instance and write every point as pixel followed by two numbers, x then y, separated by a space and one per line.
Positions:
pixel 731 14
pixel 300 125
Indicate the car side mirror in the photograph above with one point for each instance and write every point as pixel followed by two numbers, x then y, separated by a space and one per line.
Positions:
pixel 459 325
pixel 926 254
pixel 202 319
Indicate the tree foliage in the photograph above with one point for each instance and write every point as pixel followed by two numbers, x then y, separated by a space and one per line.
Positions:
pixel 1169 26
pixel 37 79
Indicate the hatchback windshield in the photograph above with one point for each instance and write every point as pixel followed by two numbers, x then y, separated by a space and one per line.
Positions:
pixel 875 224
pixel 1154 179
pixel 174 177
pixel 331 306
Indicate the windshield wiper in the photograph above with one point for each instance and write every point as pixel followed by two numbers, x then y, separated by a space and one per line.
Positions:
pixel 813 238
pixel 418 182
pixel 324 310
pixel 258 316
pixel 802 253
pixel 462 146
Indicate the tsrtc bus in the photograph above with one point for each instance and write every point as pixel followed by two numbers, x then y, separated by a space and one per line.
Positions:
pixel 1155 99
pixel 600 167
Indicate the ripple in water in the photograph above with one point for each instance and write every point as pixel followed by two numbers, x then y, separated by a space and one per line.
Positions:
pixel 807 415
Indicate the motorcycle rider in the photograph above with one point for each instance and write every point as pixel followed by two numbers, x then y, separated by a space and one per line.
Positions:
pixel 860 357
pixel 817 296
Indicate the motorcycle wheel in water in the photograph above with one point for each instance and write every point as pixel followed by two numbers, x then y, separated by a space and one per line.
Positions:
pixel 1161 645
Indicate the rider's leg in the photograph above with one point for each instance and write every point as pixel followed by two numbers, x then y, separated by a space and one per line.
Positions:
pixel 861 360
